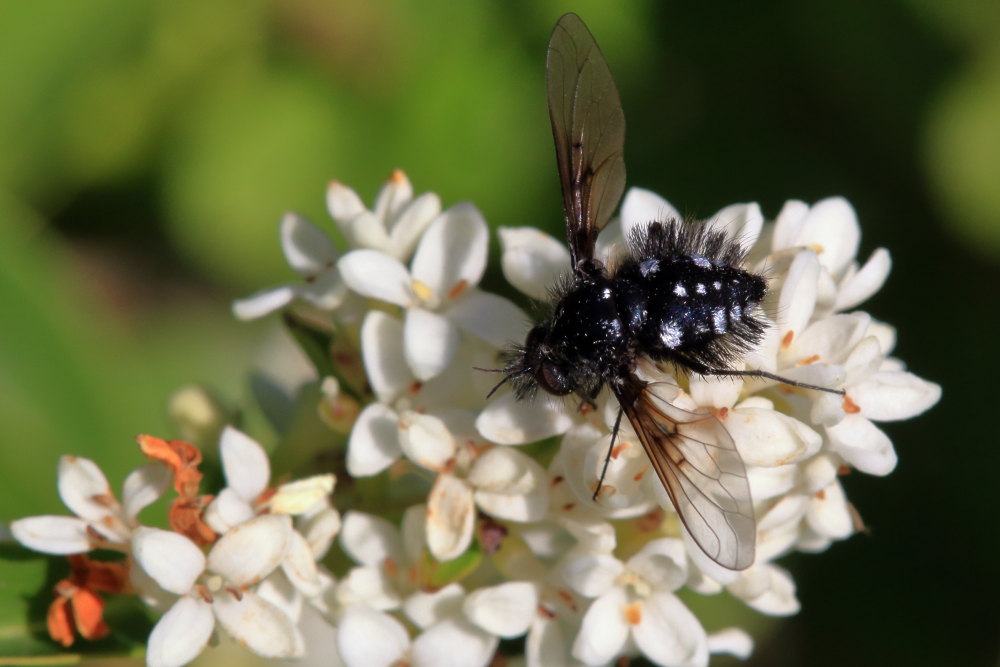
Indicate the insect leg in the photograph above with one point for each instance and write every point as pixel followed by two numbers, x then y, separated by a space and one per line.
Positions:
pixel 702 369
pixel 607 458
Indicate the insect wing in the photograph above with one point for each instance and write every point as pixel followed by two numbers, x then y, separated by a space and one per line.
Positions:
pixel 698 463
pixel 588 126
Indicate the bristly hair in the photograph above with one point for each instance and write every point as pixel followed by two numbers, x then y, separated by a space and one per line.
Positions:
pixel 675 239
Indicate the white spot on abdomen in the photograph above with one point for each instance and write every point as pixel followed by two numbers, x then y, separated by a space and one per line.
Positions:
pixel 670 334
pixel 719 320
pixel 679 290
pixel 649 266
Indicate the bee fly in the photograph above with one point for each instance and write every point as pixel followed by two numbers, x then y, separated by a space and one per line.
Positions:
pixel 680 297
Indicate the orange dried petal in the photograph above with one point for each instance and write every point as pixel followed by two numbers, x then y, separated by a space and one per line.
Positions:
pixel 181 457
pixel 59 621
pixel 88 614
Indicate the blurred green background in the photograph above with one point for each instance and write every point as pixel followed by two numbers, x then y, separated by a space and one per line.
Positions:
pixel 148 149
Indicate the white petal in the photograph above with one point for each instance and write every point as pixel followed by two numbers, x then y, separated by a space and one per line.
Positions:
pixel 263 302
pixel 84 489
pixel 592 575
pixel 798 295
pixel 768 589
pixel 308 249
pixel 367 586
pixel 367 230
pixel 832 227
pixel 641 207
pixel 426 440
pixel 731 641
pixel 414 532
pixel 741 222
pixel 299 566
pixel 320 529
pixel 382 352
pixel 661 563
pixel 510 485
pixel 59 535
pixel 252 550
pixel 508 421
pixel 301 495
pixel 374 442
pixel 245 464
pixel 342 202
pixel 426 609
pixel 430 341
pixel 767 483
pixel 547 643
pixel 895 395
pixel 369 638
pixel 144 486
pixel 180 634
pixel 502 469
pixel 863 445
pixel 451 255
pixel 393 196
pixel 532 261
pixel 819 472
pixel 788 224
pixel 505 610
pixel 326 290
pixel 715 391
pixel 412 221
pixel 227 510
pixel 370 540
pixel 603 632
pixel 377 275
pixel 669 634
pixel 259 625
pixel 450 517
pixel 829 513
pixel 831 338
pixel 454 642
pixel 769 438
pixel 280 592
pixel 490 317
pixel 171 559
pixel 858 287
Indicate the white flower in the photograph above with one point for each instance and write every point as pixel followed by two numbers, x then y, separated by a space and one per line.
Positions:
pixel 439 290
pixel 100 521
pixel 248 473
pixel 376 439
pixel 311 253
pixel 455 629
pixel 219 587
pixel 395 223
pixel 634 607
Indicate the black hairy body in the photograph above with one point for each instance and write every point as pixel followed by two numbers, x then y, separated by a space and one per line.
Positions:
pixel 680 296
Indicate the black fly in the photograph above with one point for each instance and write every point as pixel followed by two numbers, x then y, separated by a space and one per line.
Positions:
pixel 680 297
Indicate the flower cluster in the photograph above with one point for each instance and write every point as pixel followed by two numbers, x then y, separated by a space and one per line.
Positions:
pixel 480 522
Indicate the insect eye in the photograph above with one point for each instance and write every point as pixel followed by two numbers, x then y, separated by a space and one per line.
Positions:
pixel 554 379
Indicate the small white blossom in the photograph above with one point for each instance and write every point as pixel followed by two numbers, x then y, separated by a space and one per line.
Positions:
pixel 248 473
pixel 101 520
pixel 218 587
pixel 439 291
pixel 634 607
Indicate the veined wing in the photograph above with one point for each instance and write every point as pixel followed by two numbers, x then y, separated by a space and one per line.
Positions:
pixel 588 126
pixel 697 462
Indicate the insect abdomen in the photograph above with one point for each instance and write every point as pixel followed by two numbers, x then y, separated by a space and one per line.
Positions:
pixel 697 303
